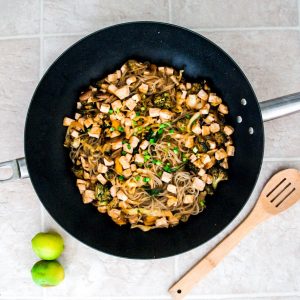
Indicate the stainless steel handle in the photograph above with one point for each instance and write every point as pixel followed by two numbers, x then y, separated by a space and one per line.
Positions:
pixel 279 107
pixel 18 168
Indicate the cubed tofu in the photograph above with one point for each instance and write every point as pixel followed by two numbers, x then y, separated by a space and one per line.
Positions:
pixel 77 116
pixel 133 167
pixel 128 157
pixel 124 162
pixel 154 112
pixel 205 130
pixel 192 101
pixel 214 127
pixel 172 188
pixel 105 108
pixel 209 119
pixel 67 121
pixel 130 80
pixel 81 188
pixel 113 191
pixel 174 79
pixel 131 104
pixel 95 132
pixel 75 134
pixel 112 77
pixel 197 128
pixel 188 85
pixel 144 145
pixel 193 157
pixel 139 159
pixel 161 69
pixel 112 89
pixel 127 122
pixel 136 97
pixel 188 199
pixel 228 130
pixel 119 74
pixel 202 95
pixel 88 196
pixel 127 173
pixel 123 92
pixel 207 178
pixel 115 134
pixel 108 162
pixel 127 148
pixel 169 71
pixel 124 69
pixel 88 122
pixel 102 168
pixel 121 195
pixel 214 99
pixel 205 109
pixel 201 172
pixel 205 158
pixel 134 141
pixel 162 222
pixel 183 94
pixel 223 109
pixel 220 154
pixel 116 105
pixel 224 163
pixel 166 177
pixel 211 144
pixel 101 179
pixel 143 88
pixel 230 150
pixel 116 145
pixel 78 105
pixel 189 142
pixel 198 184
pixel 86 95
pixel 165 115
pixel 198 163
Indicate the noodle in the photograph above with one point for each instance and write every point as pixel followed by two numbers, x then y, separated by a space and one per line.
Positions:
pixel 147 147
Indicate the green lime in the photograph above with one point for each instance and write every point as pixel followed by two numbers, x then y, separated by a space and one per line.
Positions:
pixel 48 245
pixel 47 273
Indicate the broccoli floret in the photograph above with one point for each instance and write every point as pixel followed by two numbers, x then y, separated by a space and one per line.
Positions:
pixel 202 147
pixel 218 174
pixel 209 189
pixel 196 87
pixel 102 194
pixel 220 138
pixel 163 101
pixel 190 167
pixel 78 172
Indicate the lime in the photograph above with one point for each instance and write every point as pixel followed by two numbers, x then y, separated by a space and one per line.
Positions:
pixel 48 245
pixel 47 273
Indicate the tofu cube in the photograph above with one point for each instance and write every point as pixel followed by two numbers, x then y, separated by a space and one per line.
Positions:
pixel 166 177
pixel 128 157
pixel 188 199
pixel 230 150
pixel 116 145
pixel 202 95
pixel 105 108
pixel 121 195
pixel 127 148
pixel 197 129
pixel 144 145
pixel 127 122
pixel 101 179
pixel 124 162
pixel 123 92
pixel 130 80
pixel 67 121
pixel 154 112
pixel 108 162
pixel 133 167
pixel 172 188
pixel 88 196
pixel 116 105
pixel 95 132
pixel 201 172
pixel 131 104
pixel 112 77
pixel 228 130
pixel 205 130
pixel 220 154
pixel 214 127
pixel 134 141
pixel 136 97
pixel 139 159
pixel 102 168
pixel 165 114
pixel 198 184
pixel 112 89
pixel 223 109
pixel 113 191
pixel 143 88
pixel 127 173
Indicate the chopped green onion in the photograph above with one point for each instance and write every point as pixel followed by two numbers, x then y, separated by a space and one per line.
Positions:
pixel 171 130
pixel 121 129
pixel 124 142
pixel 159 173
pixel 184 159
pixel 118 110
pixel 146 179
pixel 123 152
pixel 160 131
pixel 188 116
pixel 140 128
pixel 158 162
pixel 152 141
pixel 134 122
pixel 89 129
pixel 111 129
pixel 195 149
pixel 137 178
pixel 147 157
pixel 143 108
pixel 169 144
pixel 148 128
pixel 137 114
pixel 110 111
pixel 164 125
pixel 176 150
pixel 121 177
pixel 128 146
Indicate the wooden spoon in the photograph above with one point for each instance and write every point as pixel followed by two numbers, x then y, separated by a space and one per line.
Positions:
pixel 280 193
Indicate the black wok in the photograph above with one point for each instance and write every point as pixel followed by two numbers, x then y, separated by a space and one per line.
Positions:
pixel 98 54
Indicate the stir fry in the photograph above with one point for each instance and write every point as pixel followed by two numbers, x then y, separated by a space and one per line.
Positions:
pixel 147 146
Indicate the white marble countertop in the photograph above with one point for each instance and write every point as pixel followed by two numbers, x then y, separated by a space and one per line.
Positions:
pixel 263 36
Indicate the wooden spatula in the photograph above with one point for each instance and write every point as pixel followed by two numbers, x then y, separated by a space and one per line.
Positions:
pixel 280 193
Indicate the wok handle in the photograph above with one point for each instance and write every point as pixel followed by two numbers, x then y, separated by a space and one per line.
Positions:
pixel 279 107
pixel 18 168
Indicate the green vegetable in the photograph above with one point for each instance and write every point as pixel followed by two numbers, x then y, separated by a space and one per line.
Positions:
pixel 134 122
pixel 152 141
pixel 110 111
pixel 219 174
pixel 123 152
pixel 154 192
pixel 143 108
pixel 137 178
pixel 176 150
pixel 47 273
pixel 171 130
pixel 47 245
pixel 128 146
pixel 196 87
pixel 102 193
pixel 121 177
pixel 147 157
pixel 137 114
pixel 202 147
pixel 111 129
pixel 195 149
pixel 190 167
pixel 220 138
pixel 146 179
pixel 121 129
pixel 163 101
pixel 209 189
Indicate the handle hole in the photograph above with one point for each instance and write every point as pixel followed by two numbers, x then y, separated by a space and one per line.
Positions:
pixel 244 101
pixel 251 130
pixel 6 172
pixel 178 291
pixel 239 119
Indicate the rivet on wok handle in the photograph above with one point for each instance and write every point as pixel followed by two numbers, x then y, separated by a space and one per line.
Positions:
pixel 280 107
pixel 18 167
